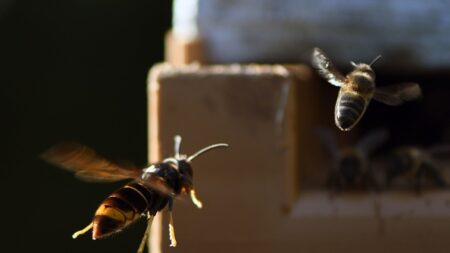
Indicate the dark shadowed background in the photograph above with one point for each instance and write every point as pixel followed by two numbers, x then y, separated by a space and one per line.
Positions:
pixel 71 70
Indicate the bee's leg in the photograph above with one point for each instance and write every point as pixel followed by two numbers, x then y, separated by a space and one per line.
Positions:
pixel 435 175
pixel 418 180
pixel 146 233
pixel 195 200
pixel 173 240
pixel 82 231
pixel 388 180
pixel 333 184
pixel 371 183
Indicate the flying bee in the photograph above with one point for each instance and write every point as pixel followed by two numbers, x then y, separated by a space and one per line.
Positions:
pixel 152 188
pixel 416 164
pixel 350 168
pixel 357 89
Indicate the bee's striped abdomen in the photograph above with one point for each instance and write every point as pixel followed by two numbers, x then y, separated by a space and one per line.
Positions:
pixel 349 109
pixel 121 208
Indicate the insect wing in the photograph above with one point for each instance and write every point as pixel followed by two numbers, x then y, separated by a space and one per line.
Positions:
pixel 440 154
pixel 373 140
pixel 103 176
pixel 397 94
pixel 441 150
pixel 326 68
pixel 157 183
pixel 328 139
pixel 86 163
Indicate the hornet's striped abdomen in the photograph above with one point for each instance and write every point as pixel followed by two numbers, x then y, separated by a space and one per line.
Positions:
pixel 349 109
pixel 154 187
pixel 121 208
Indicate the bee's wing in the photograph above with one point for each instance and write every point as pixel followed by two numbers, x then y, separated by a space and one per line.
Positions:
pixel 87 164
pixel 397 94
pixel 372 140
pixel 440 153
pixel 440 150
pixel 328 139
pixel 326 68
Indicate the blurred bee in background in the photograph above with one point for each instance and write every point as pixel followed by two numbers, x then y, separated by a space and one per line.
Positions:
pixel 351 167
pixel 416 164
pixel 152 189
pixel 357 89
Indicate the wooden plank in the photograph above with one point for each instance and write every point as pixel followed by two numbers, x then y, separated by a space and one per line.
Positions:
pixel 179 51
pixel 213 105
pixel 154 155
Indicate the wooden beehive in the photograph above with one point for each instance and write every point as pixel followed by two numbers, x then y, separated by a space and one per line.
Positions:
pixel 253 200
pixel 256 193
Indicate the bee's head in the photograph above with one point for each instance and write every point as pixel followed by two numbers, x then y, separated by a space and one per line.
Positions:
pixel 366 68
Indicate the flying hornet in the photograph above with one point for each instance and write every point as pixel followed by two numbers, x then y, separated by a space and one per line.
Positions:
pixel 357 89
pixel 151 189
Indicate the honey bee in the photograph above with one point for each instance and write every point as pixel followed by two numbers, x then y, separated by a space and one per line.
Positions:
pixel 357 89
pixel 152 188
pixel 416 164
pixel 350 167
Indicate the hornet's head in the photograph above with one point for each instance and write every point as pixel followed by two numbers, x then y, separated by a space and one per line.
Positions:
pixel 183 163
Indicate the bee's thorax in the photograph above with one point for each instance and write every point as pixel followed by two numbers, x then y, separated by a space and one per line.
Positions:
pixel 362 80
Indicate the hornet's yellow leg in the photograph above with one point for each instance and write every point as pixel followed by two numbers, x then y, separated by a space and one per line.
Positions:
pixel 195 200
pixel 173 240
pixel 82 231
pixel 146 233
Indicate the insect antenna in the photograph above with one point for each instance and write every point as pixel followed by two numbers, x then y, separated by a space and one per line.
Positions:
pixel 375 60
pixel 203 150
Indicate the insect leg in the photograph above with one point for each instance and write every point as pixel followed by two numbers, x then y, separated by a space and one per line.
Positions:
pixel 418 180
pixel 370 182
pixel 173 240
pixel 333 183
pixel 82 231
pixel 146 233
pixel 195 200
pixel 435 175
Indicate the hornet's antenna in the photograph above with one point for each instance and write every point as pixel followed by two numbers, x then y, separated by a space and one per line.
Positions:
pixel 177 141
pixel 203 150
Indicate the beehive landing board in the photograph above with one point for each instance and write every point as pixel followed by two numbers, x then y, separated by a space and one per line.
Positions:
pixel 266 114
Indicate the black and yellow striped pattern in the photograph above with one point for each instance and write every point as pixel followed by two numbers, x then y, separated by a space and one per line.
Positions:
pixel 122 207
pixel 130 202
pixel 350 107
